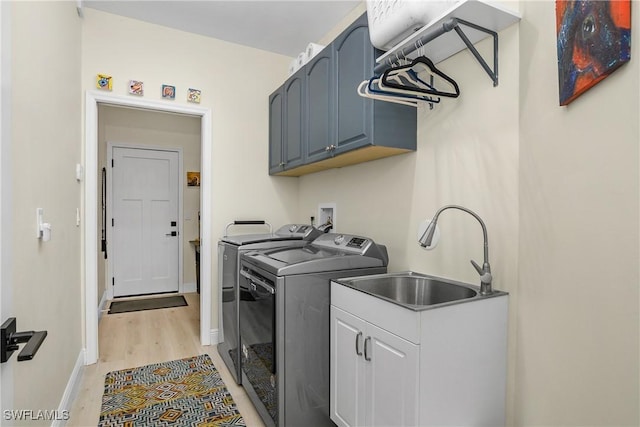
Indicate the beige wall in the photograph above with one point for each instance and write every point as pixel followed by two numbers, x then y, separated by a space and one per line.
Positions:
pixel 540 176
pixel 578 318
pixel 467 155
pixel 135 127
pixel 235 83
pixel 558 187
pixel 46 143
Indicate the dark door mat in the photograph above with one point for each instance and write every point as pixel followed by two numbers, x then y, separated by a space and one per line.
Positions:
pixel 146 304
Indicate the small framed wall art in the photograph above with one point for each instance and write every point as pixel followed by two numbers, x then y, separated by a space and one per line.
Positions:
pixel 136 87
pixel 193 95
pixel 104 82
pixel 193 179
pixel 594 39
pixel 168 92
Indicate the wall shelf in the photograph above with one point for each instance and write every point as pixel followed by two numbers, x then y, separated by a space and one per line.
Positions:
pixel 443 37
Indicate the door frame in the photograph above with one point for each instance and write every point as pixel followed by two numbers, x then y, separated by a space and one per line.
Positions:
pixel 6 369
pixel 110 147
pixel 91 244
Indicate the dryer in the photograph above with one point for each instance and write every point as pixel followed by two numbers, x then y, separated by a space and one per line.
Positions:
pixel 229 250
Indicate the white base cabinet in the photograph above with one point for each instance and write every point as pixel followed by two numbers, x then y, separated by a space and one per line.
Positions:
pixel 391 366
pixel 374 372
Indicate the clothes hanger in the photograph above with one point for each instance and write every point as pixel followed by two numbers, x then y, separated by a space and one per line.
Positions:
pixel 382 89
pixel 405 77
pixel 409 76
pixel 401 95
pixel 364 92
pixel 405 81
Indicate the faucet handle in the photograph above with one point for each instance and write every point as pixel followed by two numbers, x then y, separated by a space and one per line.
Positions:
pixel 485 273
pixel 477 267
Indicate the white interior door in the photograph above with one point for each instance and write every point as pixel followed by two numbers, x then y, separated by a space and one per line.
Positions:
pixel 145 221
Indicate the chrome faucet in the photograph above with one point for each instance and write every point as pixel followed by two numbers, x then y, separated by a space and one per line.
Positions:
pixel 484 271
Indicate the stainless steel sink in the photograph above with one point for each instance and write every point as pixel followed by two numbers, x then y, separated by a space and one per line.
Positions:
pixel 414 290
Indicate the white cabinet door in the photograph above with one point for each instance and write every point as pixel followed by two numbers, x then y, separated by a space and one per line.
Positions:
pixel 392 379
pixel 347 370
pixel 374 374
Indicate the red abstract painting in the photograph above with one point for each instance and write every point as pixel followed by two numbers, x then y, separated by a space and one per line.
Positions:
pixel 594 39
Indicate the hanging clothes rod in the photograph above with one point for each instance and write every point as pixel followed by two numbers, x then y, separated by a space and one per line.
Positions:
pixel 447 26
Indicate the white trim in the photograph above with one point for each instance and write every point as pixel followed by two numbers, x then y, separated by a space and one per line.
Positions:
pixel 206 209
pixel 110 146
pixel 6 369
pixel 92 98
pixel 214 336
pixel 189 288
pixel 102 305
pixel 3 202
pixel 70 391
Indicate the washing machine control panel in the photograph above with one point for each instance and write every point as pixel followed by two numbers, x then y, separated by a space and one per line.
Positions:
pixel 344 242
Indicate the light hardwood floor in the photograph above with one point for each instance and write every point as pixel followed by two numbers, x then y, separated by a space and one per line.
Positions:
pixel 128 340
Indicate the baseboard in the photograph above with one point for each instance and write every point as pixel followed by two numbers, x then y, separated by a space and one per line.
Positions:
pixel 214 336
pixel 189 288
pixel 70 391
pixel 102 305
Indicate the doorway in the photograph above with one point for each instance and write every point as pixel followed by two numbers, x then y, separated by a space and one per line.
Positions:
pixel 91 243
pixel 146 237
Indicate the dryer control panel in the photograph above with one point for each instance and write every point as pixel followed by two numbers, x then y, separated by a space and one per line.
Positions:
pixel 303 231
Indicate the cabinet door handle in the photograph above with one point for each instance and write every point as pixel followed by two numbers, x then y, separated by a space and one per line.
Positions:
pixel 367 358
pixel 358 352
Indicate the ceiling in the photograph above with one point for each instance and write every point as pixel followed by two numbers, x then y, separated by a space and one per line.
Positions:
pixel 284 26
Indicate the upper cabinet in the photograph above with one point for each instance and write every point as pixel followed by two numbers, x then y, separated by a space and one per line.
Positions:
pixel 294 96
pixel 319 105
pixel 354 58
pixel 324 122
pixel 276 105
pixel 286 134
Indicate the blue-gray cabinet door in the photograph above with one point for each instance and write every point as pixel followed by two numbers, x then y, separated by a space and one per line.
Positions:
pixel 354 56
pixel 276 105
pixel 293 137
pixel 319 106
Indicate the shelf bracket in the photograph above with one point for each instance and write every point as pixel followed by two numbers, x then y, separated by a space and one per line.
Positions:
pixel 454 24
pixel 493 74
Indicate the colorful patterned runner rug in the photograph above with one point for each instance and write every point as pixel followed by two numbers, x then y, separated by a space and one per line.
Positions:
pixel 185 392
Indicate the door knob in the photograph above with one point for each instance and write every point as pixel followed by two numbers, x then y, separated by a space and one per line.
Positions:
pixel 9 340
pixel 173 233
